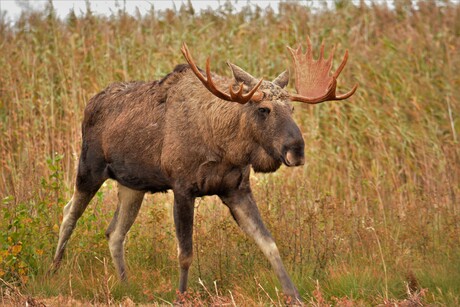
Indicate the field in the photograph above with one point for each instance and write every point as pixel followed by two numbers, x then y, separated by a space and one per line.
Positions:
pixel 373 217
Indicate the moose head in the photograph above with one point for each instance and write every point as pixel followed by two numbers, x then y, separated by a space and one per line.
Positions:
pixel 269 103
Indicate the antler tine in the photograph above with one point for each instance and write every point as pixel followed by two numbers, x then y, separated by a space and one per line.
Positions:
pixel 329 59
pixel 342 65
pixel 321 52
pixel 189 59
pixel 331 56
pixel 237 94
pixel 349 94
pixel 314 83
pixel 210 85
pixel 337 73
pixel 309 53
pixel 254 93
pixel 207 82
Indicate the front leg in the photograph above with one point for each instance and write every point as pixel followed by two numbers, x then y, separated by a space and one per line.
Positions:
pixel 183 220
pixel 245 212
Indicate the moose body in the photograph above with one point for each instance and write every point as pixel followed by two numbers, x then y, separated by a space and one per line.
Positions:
pixel 178 134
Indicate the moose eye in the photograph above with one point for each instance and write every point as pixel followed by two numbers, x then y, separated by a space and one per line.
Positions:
pixel 264 111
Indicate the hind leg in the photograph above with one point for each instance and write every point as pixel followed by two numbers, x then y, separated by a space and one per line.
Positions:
pixel 72 212
pixel 87 184
pixel 129 203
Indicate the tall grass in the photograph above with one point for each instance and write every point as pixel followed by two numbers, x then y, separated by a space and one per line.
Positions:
pixel 374 211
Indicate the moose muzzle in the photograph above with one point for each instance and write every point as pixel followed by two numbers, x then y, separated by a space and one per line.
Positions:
pixel 294 156
pixel 293 151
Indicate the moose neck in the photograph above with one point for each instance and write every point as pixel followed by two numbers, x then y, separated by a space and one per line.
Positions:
pixel 227 122
pixel 222 130
pixel 230 124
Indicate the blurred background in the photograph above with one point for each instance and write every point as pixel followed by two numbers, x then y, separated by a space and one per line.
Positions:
pixel 372 218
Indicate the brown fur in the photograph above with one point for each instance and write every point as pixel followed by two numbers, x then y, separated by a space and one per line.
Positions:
pixel 149 135
pixel 174 134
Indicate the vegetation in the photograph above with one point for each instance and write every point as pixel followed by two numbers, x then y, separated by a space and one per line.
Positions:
pixel 372 218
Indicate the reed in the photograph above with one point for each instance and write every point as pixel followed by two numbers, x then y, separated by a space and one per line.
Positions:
pixel 372 218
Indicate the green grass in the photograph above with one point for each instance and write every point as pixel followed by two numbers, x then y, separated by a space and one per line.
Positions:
pixel 375 206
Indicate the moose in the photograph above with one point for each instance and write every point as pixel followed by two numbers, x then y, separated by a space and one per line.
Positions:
pixel 187 134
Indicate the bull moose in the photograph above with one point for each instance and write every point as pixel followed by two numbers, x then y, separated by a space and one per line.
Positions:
pixel 185 133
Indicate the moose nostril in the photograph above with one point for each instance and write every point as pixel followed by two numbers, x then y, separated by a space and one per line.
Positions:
pixel 293 151
pixel 294 159
pixel 290 158
pixel 297 149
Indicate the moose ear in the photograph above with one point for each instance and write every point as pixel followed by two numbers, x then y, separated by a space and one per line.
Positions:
pixel 241 76
pixel 282 80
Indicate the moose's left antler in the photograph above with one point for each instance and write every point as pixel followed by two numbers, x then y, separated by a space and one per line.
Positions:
pixel 313 82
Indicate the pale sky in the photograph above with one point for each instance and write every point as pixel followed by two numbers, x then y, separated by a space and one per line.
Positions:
pixel 106 7
pixel 62 7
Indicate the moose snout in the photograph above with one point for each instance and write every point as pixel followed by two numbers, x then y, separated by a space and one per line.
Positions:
pixel 294 155
pixel 294 160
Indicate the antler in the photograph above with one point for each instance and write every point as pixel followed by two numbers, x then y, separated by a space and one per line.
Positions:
pixel 313 82
pixel 238 96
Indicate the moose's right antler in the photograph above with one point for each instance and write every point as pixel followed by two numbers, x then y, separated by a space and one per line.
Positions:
pixel 312 80
pixel 254 94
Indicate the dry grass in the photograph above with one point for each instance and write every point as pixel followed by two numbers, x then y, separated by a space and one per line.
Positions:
pixel 374 208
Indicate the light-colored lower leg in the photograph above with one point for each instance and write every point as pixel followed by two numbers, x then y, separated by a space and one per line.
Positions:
pixel 72 212
pixel 129 203
pixel 246 213
pixel 185 261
